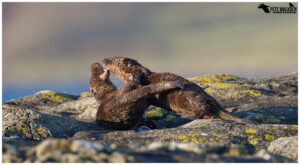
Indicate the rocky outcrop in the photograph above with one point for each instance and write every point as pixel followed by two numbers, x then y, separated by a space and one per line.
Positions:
pixel 30 123
pixel 286 146
pixel 74 151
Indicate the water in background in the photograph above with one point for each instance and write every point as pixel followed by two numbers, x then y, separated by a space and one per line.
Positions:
pixel 15 92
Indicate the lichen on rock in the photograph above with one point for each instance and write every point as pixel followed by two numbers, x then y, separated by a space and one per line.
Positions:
pixel 56 96
pixel 30 123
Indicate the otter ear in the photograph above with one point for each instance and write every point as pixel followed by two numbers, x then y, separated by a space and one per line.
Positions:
pixel 105 75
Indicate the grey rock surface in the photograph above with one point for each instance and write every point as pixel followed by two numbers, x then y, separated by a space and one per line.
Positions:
pixel 74 151
pixel 286 146
pixel 30 123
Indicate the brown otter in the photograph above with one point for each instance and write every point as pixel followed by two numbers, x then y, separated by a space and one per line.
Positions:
pixel 193 99
pixel 123 108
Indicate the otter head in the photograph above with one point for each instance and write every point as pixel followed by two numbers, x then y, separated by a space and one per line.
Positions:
pixel 124 67
pixel 100 83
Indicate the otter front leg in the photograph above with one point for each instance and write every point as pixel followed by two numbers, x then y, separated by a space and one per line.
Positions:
pixel 132 84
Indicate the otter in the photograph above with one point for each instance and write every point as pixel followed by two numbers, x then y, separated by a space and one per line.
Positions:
pixel 192 99
pixel 123 108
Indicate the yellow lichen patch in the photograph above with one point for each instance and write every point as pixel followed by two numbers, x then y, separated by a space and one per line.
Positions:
pixel 21 126
pixel 209 91
pixel 227 85
pixel 154 113
pixel 220 93
pixel 294 127
pixel 253 142
pixel 8 109
pixel 269 137
pixel 55 96
pixel 210 78
pixel 220 136
pixel 284 127
pixel 258 138
pixel 295 157
pixel 203 79
pixel 42 131
pixel 192 138
pixel 251 92
pixel 250 131
pixel 83 94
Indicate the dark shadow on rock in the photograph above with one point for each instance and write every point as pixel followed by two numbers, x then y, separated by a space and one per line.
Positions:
pixel 271 115
pixel 245 141
pixel 62 127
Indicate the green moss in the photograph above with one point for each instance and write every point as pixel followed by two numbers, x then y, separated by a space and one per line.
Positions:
pixel 170 117
pixel 271 119
pixel 282 117
pixel 157 112
pixel 56 97
pixel 259 116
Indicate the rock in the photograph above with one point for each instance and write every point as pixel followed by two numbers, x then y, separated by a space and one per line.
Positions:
pixel 286 146
pixel 36 125
pixel 50 146
pixel 220 132
pixel 264 154
pixel 85 146
pixel 24 123
pixel 190 147
pixel 10 154
pixel 58 127
pixel 74 151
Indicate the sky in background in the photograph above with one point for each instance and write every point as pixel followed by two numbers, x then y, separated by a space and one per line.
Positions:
pixel 52 45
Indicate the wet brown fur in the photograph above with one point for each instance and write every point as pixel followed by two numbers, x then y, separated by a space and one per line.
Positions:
pixel 123 108
pixel 193 99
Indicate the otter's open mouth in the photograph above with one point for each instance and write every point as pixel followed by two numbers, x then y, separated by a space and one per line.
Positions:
pixel 100 70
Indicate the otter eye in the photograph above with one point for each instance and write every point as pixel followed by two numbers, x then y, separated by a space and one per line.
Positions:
pixel 126 60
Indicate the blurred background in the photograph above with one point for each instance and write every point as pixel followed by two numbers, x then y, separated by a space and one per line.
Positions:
pixel 50 46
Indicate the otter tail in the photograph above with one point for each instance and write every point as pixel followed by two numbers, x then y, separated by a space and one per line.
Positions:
pixel 228 116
